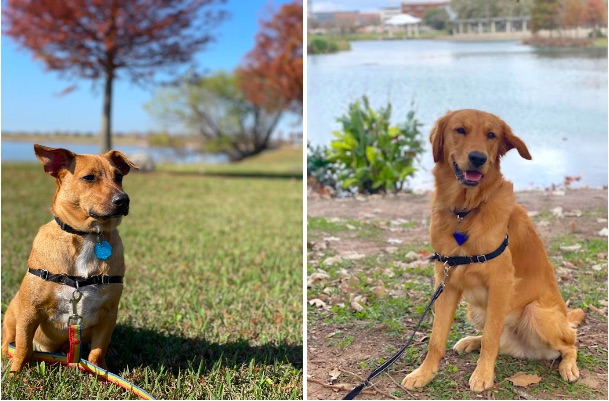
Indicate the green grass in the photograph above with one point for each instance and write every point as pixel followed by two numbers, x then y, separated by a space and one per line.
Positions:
pixel 212 303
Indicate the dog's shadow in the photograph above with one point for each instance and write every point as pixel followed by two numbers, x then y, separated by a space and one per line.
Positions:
pixel 139 347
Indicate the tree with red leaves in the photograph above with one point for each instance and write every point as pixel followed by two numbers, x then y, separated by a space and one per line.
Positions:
pixel 271 75
pixel 596 11
pixel 95 39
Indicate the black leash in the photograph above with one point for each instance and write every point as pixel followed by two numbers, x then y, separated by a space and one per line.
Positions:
pixel 448 261
pixel 353 393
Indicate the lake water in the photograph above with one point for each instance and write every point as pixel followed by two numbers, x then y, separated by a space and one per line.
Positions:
pixel 555 100
pixel 24 151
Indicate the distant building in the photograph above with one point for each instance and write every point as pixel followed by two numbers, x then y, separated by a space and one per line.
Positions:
pixel 387 12
pixel 418 8
pixel 342 19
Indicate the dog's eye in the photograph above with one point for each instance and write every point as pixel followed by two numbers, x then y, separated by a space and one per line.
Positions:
pixel 89 178
pixel 460 130
pixel 491 135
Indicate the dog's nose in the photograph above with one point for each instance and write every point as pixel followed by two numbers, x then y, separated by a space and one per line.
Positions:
pixel 120 200
pixel 476 158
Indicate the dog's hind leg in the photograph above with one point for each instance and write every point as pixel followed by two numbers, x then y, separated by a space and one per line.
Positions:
pixel 552 327
pixel 468 344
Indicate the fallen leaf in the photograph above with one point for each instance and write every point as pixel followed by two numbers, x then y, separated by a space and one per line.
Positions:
pixel 570 248
pixel 317 278
pixel 332 260
pixel 334 373
pixel 602 311
pixel 317 303
pixel 522 379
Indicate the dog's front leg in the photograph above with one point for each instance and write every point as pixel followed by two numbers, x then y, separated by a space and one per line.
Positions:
pixel 444 309
pixel 100 338
pixel 25 328
pixel 499 295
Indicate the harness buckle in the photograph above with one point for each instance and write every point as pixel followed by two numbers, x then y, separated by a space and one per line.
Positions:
pixel 104 279
pixel 44 274
pixel 479 258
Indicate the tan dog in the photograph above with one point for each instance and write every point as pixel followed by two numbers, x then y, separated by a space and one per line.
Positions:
pixel 73 251
pixel 513 298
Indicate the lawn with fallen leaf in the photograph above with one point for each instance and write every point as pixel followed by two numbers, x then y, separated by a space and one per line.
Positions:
pixel 212 300
pixel 369 280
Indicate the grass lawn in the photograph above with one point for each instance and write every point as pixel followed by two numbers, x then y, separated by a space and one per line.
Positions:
pixel 212 303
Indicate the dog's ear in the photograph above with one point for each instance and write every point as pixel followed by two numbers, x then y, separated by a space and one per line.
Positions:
pixel 511 141
pixel 121 162
pixel 54 159
pixel 436 137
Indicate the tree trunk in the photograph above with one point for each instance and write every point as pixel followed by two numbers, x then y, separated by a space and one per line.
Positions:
pixel 105 135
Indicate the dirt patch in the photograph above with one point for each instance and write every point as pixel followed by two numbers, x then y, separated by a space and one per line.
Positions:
pixel 355 347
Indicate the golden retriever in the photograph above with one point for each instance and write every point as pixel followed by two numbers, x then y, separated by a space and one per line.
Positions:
pixel 513 298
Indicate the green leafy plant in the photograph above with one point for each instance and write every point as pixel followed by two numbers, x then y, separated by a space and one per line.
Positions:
pixel 371 155
pixel 320 167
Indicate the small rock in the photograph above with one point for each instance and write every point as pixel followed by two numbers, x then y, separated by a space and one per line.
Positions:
pixel 597 268
pixel 574 213
pixel 394 241
pixel 604 232
pixel 558 212
pixel 412 256
pixel 391 249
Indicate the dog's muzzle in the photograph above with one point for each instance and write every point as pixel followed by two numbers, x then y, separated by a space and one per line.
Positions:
pixel 470 178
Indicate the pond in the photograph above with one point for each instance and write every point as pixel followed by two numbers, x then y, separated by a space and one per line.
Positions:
pixel 554 99
pixel 24 151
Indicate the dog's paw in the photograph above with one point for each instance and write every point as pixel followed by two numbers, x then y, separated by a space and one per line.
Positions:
pixel 568 370
pixel 418 378
pixel 468 344
pixel 481 380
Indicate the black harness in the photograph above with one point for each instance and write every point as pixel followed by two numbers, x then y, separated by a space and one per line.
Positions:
pixel 466 260
pixel 75 281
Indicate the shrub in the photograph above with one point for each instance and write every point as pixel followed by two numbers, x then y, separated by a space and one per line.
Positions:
pixel 325 45
pixel 370 155
pixel 320 167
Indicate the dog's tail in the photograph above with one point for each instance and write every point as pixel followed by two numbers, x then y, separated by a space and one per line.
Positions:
pixel 575 317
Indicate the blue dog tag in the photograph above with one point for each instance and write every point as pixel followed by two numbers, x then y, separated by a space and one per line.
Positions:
pixel 460 237
pixel 103 250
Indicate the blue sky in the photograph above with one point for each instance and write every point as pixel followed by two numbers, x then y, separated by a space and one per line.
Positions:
pixel 30 95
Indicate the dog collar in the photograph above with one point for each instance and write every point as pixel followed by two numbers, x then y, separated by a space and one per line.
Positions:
pixel 69 229
pixel 466 260
pixel 102 249
pixel 76 281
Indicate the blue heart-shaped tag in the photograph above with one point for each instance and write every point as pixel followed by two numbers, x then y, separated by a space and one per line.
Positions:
pixel 103 250
pixel 460 237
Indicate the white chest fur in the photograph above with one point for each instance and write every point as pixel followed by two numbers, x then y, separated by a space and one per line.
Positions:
pixel 86 264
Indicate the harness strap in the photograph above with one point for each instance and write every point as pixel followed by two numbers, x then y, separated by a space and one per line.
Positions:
pixel 466 260
pixel 76 281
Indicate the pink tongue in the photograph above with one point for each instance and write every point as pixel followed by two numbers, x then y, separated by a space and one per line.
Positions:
pixel 473 176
